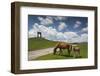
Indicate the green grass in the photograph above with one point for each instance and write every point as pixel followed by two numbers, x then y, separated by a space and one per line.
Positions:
pixel 83 54
pixel 39 43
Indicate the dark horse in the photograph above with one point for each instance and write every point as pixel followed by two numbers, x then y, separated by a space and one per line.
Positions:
pixel 61 46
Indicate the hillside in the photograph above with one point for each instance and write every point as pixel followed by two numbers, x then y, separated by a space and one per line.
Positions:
pixel 83 54
pixel 39 43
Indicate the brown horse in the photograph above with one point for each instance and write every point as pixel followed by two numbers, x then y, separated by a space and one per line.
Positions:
pixel 61 46
pixel 70 47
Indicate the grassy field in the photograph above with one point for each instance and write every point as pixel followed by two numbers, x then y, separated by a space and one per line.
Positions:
pixel 39 43
pixel 83 54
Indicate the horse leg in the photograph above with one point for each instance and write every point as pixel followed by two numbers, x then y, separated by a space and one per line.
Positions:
pixel 60 51
pixel 55 51
pixel 74 54
pixel 79 53
pixel 69 52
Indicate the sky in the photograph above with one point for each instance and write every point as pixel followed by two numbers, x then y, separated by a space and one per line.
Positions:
pixel 59 28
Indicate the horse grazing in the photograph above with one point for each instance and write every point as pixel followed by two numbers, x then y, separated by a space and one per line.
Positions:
pixel 61 46
pixel 70 47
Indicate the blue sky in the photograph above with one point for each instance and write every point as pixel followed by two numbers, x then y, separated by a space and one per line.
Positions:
pixel 59 28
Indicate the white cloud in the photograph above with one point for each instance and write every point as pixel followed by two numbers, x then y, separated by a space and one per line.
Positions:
pixel 60 18
pixel 47 32
pixel 84 37
pixel 52 34
pixel 32 33
pixel 71 34
pixel 60 36
pixel 45 21
pixel 77 24
pixel 84 29
pixel 40 18
pixel 61 26
pixel 72 37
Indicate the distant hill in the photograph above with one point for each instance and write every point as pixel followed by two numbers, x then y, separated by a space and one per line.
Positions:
pixel 39 43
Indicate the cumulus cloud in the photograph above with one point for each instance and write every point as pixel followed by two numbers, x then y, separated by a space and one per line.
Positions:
pixel 77 24
pixel 59 18
pixel 84 29
pixel 51 33
pixel 71 34
pixel 32 33
pixel 47 32
pixel 61 26
pixel 45 21
pixel 84 37
pixel 72 37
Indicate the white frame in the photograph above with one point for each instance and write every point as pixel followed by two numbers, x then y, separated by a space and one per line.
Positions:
pixel 25 64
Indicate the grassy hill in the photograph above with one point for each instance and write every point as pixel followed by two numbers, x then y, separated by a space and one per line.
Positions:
pixel 83 54
pixel 39 43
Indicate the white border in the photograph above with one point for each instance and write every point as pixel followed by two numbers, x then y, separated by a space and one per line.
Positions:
pixel 25 64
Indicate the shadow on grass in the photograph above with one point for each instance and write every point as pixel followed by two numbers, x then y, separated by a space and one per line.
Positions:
pixel 78 57
pixel 67 55
pixel 71 56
